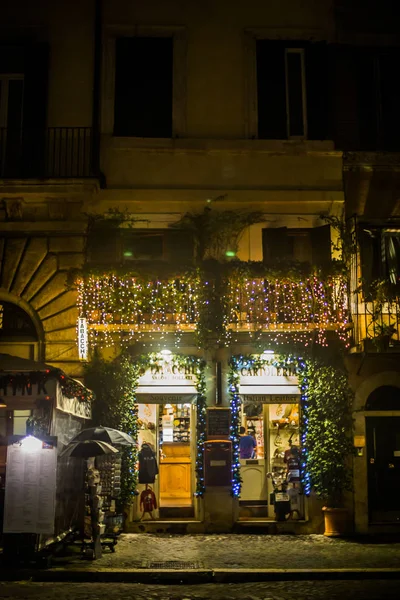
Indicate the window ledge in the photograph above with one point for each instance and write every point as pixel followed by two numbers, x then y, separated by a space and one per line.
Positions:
pixel 209 144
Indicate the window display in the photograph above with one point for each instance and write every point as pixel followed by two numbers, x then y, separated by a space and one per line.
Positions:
pixel 174 423
pixel 275 429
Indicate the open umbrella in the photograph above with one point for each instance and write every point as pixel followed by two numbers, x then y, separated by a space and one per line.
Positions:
pixel 87 449
pixel 105 434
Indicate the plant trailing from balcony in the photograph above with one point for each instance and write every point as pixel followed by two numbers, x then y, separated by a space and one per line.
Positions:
pixel 217 233
pixel 212 301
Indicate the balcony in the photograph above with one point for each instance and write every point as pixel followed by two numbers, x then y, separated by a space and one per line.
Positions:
pixel 308 308
pixel 56 152
pixel 122 309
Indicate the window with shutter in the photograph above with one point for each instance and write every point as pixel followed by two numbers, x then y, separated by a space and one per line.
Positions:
pixel 301 245
pixel 292 89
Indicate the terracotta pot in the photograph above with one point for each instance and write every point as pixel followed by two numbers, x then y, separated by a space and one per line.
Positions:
pixel 336 521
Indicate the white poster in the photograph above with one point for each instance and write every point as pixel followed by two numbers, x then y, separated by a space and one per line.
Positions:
pixel 30 493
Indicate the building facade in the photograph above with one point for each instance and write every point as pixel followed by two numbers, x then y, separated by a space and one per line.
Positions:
pixel 165 171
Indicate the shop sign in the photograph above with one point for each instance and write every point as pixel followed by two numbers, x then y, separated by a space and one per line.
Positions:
pixel 21 387
pixel 169 374
pixel 1 315
pixel 73 406
pixel 149 398
pixel 267 375
pixel 82 339
pixel 270 399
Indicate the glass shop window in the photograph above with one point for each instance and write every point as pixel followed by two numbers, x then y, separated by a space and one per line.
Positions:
pixel 20 418
pixel 284 438
pixel 174 423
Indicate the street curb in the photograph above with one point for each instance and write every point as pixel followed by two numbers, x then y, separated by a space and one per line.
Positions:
pixel 194 576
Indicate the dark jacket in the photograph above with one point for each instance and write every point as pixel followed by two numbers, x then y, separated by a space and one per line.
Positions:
pixel 148 467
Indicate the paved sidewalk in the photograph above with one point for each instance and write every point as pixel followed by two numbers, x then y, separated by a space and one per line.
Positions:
pixel 252 552
pixel 227 558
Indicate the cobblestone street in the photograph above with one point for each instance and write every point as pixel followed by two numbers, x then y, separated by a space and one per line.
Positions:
pixel 251 551
pixel 303 590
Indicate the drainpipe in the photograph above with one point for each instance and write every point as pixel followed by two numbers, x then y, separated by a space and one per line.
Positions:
pixel 98 47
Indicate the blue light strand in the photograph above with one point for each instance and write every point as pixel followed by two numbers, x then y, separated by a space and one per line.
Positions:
pixel 290 362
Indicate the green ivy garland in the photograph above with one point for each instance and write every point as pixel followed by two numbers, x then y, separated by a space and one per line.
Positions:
pixel 256 362
pixel 325 423
pixel 115 384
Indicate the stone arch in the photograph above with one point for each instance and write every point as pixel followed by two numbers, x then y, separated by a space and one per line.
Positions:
pixel 369 385
pixel 34 274
pixel 21 303
pixel 385 397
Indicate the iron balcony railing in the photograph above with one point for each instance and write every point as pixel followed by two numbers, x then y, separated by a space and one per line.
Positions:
pixel 55 152
pixel 374 304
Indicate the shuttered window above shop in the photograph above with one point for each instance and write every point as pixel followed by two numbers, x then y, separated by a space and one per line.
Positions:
pixel 311 245
pixel 292 94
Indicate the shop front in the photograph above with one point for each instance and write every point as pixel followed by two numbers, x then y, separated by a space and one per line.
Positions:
pixel 269 444
pixel 167 416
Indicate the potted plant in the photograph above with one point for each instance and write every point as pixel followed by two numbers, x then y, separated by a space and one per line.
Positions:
pixel 328 442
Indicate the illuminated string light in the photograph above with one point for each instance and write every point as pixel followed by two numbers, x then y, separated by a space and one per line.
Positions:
pixel 255 361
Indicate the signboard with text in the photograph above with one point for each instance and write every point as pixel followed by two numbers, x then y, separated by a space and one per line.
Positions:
pixel 218 423
pixel 30 494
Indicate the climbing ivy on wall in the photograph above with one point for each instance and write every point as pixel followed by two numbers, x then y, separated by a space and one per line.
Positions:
pixel 327 418
pixel 114 384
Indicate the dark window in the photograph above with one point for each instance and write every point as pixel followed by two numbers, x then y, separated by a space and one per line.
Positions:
pixel 292 89
pixel 15 323
pixel 303 245
pixel 142 246
pixel 367 98
pixel 380 255
pixel 143 87
pixel 107 245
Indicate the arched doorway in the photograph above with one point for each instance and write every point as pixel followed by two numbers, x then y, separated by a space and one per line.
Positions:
pixel 383 454
pixel 18 334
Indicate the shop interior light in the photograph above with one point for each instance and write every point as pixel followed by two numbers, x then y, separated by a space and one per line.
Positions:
pixel 268 352
pixel 165 352
pixel 3 405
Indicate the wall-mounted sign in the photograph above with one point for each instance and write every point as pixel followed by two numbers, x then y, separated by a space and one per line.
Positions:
pixel 268 381
pixel 218 423
pixel 359 441
pixel 82 339
pixel 270 399
pixel 169 374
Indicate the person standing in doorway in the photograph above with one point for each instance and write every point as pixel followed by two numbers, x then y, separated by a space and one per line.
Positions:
pixel 247 444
